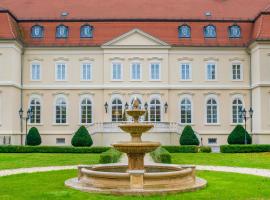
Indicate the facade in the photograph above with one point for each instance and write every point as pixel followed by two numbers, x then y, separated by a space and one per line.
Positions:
pixel 73 67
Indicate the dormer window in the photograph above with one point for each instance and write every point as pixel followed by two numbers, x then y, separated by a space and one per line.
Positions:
pixel 37 31
pixel 86 31
pixel 184 31
pixel 61 31
pixel 210 31
pixel 234 31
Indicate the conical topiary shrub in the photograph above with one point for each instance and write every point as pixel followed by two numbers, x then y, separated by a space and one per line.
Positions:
pixel 188 137
pixel 237 136
pixel 33 137
pixel 82 138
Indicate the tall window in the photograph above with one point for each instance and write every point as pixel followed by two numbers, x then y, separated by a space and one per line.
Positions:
pixel 35 72
pixel 185 71
pixel 155 71
pixel 136 71
pixel 210 31
pixel 61 31
pixel 236 72
pixel 86 72
pixel 36 109
pixel 184 31
pixel 86 111
pixel 117 110
pixel 61 72
pixel 116 71
pixel 86 31
pixel 155 110
pixel 234 31
pixel 61 111
pixel 185 111
pixel 211 111
pixel 237 106
pixel 37 31
pixel 211 71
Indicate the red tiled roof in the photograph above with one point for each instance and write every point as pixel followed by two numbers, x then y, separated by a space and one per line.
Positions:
pixel 135 9
pixel 8 27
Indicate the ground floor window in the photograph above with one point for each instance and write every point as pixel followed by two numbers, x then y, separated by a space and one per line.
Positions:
pixel 36 111
pixel 155 110
pixel 86 111
pixel 185 111
pixel 61 111
pixel 211 109
pixel 237 106
pixel 117 110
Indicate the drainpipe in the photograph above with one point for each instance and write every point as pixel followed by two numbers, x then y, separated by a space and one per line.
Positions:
pixel 21 100
pixel 250 88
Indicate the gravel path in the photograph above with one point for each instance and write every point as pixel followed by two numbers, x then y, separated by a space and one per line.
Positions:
pixel 148 160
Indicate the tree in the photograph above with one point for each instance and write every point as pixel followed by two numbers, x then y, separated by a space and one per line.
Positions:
pixel 82 138
pixel 238 136
pixel 188 137
pixel 33 137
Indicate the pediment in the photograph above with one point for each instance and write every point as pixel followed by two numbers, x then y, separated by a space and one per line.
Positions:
pixel 135 38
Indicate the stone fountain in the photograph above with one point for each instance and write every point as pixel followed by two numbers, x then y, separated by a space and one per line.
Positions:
pixel 136 178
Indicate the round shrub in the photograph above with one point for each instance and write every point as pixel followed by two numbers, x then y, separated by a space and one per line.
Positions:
pixel 33 137
pixel 82 138
pixel 237 136
pixel 188 137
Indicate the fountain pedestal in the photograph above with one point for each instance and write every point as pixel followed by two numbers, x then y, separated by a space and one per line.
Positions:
pixel 136 178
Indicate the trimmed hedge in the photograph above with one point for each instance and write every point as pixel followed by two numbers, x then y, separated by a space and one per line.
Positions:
pixel 82 138
pixel 251 148
pixel 182 149
pixel 188 137
pixel 110 156
pixel 161 155
pixel 51 149
pixel 33 137
pixel 238 136
pixel 205 149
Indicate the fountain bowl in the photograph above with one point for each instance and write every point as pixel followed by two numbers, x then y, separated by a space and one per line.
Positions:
pixel 136 128
pixel 116 179
pixel 136 147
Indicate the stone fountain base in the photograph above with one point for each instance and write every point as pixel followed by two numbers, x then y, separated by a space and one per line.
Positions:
pixel 155 179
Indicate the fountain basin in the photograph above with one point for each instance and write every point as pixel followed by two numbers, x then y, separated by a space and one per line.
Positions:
pixel 136 128
pixel 136 147
pixel 116 179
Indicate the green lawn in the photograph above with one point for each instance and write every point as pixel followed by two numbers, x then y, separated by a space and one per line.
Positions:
pixel 221 186
pixel 253 160
pixel 19 160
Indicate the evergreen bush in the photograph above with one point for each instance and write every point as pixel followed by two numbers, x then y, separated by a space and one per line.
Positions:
pixel 238 136
pixel 82 138
pixel 188 137
pixel 33 137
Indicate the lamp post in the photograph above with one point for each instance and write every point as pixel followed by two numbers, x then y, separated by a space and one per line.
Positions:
pixel 106 107
pixel 166 107
pixel 243 113
pixel 29 114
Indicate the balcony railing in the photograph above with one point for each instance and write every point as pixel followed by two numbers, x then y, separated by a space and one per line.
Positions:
pixel 112 127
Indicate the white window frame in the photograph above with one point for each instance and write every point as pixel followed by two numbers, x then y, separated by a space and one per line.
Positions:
pixel 121 68
pixel 215 97
pixel 189 97
pixel 31 71
pixel 114 97
pixel 54 110
pixel 240 97
pixel 66 71
pixel 131 65
pixel 91 71
pixel 82 97
pixel 206 71
pixel 241 71
pixel 38 97
pixel 150 71
pixel 190 71
pixel 152 97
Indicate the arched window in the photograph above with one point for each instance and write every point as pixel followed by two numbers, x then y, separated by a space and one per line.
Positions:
pixel 211 111
pixel 184 31
pixel 210 31
pixel 60 111
pixel 61 31
pixel 155 110
pixel 237 106
pixel 86 111
pixel 37 31
pixel 186 115
pixel 117 110
pixel 36 110
pixel 86 31
pixel 234 31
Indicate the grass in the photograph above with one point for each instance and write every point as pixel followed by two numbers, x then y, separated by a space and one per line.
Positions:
pixel 221 186
pixel 20 160
pixel 252 160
